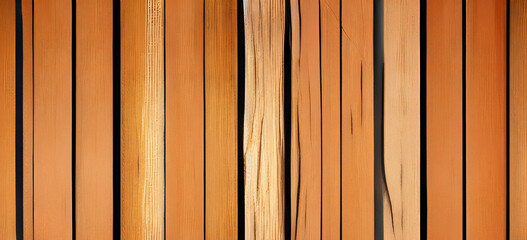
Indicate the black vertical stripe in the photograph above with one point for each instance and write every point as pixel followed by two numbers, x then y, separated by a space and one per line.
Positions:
pixel 321 142
pixel 19 124
pixel 508 121
pixel 204 132
pixel 340 117
pixel 464 89
pixel 423 96
pixel 241 109
pixel 287 120
pixel 116 44
pixel 164 120
pixel 73 114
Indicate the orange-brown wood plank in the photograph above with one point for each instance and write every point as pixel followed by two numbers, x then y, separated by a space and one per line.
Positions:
pixel 401 198
pixel 357 120
pixel 184 116
pixel 264 119
pixel 221 119
pixel 444 115
pixel 518 119
pixel 52 119
pixel 486 153
pixel 142 119
pixel 94 121
pixel 7 120
pixel 306 192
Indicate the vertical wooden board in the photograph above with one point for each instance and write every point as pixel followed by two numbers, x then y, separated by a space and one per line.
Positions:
pixel 486 132
pixel 142 119
pixel 94 121
pixel 221 120
pixel 518 119
pixel 444 115
pixel 401 198
pixel 7 120
pixel 185 118
pixel 53 120
pixel 357 120
pixel 306 193
pixel 264 119
pixel 330 69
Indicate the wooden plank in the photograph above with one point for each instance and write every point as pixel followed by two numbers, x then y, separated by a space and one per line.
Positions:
pixel 94 121
pixel 221 119
pixel 401 198
pixel 357 120
pixel 7 120
pixel 518 119
pixel 444 115
pixel 306 192
pixel 486 132
pixel 142 119
pixel 264 119
pixel 185 119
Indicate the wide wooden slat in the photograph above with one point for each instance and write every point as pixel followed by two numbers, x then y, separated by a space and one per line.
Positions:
pixel 7 120
pixel 444 116
pixel 264 119
pixel 401 198
pixel 306 193
pixel 52 120
pixel 185 118
pixel 486 132
pixel 221 119
pixel 142 119
pixel 357 120
pixel 94 135
pixel 518 119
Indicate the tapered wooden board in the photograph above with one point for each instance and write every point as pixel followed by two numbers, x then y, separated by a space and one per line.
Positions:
pixel 185 119
pixel 444 115
pixel 221 119
pixel 486 159
pixel 94 121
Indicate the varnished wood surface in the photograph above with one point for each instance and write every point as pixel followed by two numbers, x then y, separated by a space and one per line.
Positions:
pixel 184 120
pixel 142 119
pixel 486 133
pixel 444 115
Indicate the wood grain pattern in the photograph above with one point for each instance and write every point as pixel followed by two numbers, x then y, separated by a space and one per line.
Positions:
pixel 306 121
pixel 142 119
pixel 94 121
pixel 518 119
pixel 221 120
pixel 185 119
pixel 53 120
pixel 401 198
pixel 7 120
pixel 444 115
pixel 357 120
pixel 263 141
pixel 486 159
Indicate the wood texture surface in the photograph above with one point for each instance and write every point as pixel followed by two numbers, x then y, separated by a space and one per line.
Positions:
pixel 518 119
pixel 7 120
pixel 53 119
pixel 221 119
pixel 486 159
pixel 357 120
pixel 263 141
pixel 401 198
pixel 94 121
pixel 142 119
pixel 306 116
pixel 444 115
pixel 185 120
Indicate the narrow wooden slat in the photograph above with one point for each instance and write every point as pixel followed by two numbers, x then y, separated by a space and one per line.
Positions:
pixel 357 120
pixel 518 119
pixel 444 120
pixel 306 121
pixel 401 198
pixel 486 131
pixel 184 116
pixel 53 120
pixel 7 120
pixel 221 120
pixel 94 129
pixel 264 119
pixel 142 119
